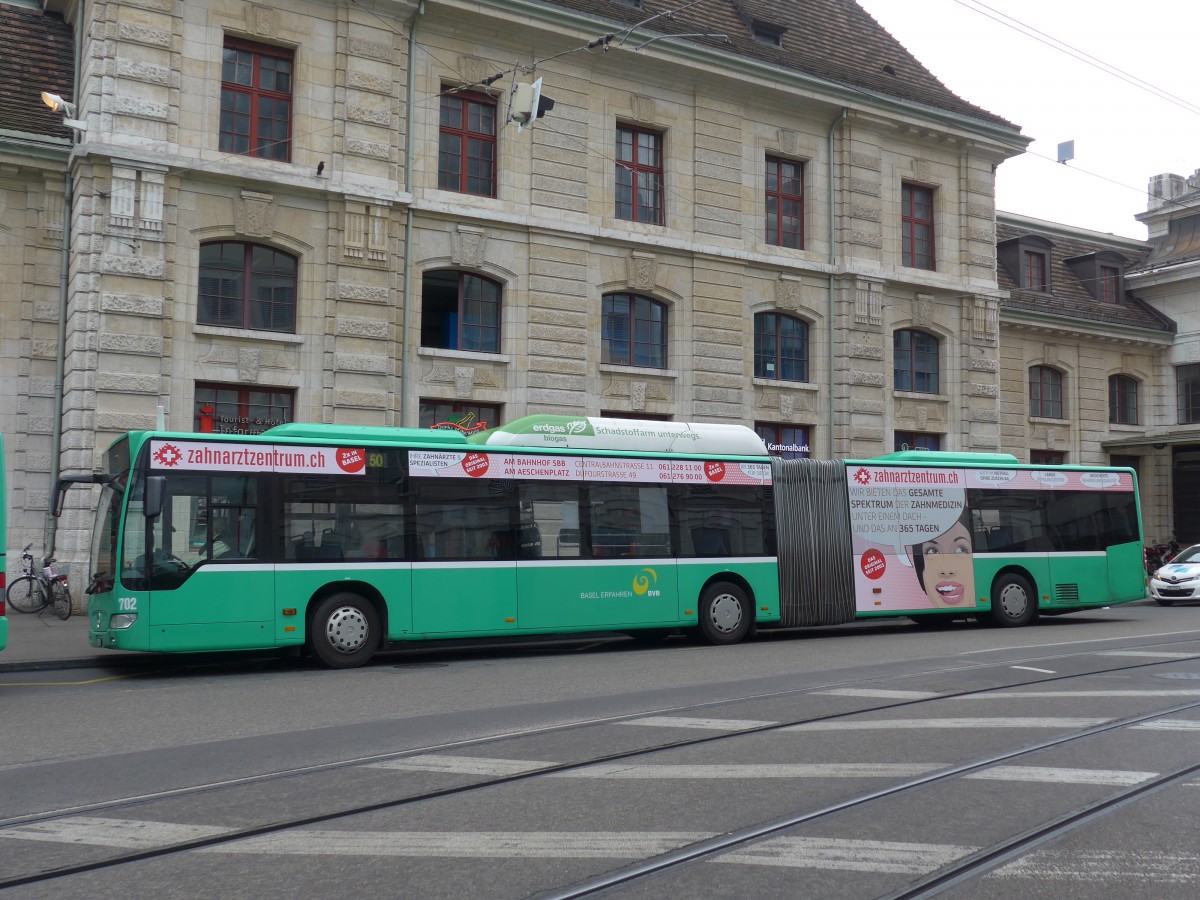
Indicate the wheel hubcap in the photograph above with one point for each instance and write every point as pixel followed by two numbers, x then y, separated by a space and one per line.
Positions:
pixel 346 629
pixel 1013 601
pixel 726 613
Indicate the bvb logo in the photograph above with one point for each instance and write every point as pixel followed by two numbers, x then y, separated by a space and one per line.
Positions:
pixel 643 580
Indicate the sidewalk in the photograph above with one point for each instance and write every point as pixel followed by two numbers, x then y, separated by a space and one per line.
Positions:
pixel 43 641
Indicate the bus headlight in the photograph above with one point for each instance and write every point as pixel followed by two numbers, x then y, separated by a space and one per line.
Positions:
pixel 121 620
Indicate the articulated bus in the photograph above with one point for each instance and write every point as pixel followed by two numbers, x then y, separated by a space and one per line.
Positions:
pixel 345 540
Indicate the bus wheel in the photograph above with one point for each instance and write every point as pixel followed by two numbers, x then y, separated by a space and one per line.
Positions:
pixel 1013 601
pixel 726 614
pixel 345 631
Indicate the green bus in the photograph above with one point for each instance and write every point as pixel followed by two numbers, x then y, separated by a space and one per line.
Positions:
pixel 3 549
pixel 344 540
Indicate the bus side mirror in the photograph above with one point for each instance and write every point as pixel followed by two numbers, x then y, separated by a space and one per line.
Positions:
pixel 156 489
pixel 60 491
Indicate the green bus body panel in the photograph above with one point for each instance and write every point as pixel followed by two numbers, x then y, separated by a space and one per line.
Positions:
pixel 456 597
pixel 1126 572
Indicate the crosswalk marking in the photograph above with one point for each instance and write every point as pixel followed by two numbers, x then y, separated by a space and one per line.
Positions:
pixel 754 770
pixel 1169 725
pixel 919 724
pixel 878 693
pixel 706 724
pixel 469 844
pixel 1052 775
pixel 848 855
pixel 1000 694
pixel 462 765
pixel 95 831
pixel 1147 654
pixel 1109 867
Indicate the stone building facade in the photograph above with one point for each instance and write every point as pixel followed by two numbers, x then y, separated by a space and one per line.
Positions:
pixel 322 211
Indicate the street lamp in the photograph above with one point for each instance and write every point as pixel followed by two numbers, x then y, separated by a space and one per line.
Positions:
pixel 58 104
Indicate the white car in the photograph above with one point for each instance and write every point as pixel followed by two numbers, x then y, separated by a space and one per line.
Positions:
pixel 1178 580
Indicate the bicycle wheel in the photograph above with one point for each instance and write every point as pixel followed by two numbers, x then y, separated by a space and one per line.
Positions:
pixel 26 595
pixel 61 601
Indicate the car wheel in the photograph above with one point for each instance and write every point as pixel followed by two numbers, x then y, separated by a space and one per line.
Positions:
pixel 1014 602
pixel 726 614
pixel 345 631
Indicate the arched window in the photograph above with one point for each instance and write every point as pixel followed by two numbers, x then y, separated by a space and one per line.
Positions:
pixel 247 286
pixel 633 331
pixel 780 347
pixel 1122 400
pixel 915 361
pixel 460 311
pixel 1045 392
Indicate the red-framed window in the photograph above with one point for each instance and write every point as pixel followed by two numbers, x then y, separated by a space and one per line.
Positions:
pixel 256 100
pixel 639 170
pixel 786 441
pixel 633 331
pixel 916 440
pixel 1045 392
pixel 467 144
pixel 241 408
pixel 915 362
pixel 916 218
pixel 780 347
pixel 785 203
pixel 246 285
pixel 460 311
pixel 1035 271
pixel 464 417
pixel 1122 400
pixel 1047 458
pixel 1110 284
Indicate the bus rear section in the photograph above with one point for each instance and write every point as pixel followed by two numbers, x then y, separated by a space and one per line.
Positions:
pixel 945 534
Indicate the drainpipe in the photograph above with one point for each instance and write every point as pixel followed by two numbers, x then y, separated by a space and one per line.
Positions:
pixel 406 289
pixel 60 360
pixel 832 286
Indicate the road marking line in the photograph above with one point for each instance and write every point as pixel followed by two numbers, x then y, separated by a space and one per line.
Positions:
pixel 1032 669
pixel 848 855
pixel 917 724
pixel 1052 775
pixel 879 693
pixel 482 844
pixel 708 724
pixel 1041 695
pixel 1149 654
pixel 462 765
pixel 130 834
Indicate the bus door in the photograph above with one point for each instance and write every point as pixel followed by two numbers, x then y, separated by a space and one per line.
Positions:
pixel 464 579
pixel 207 587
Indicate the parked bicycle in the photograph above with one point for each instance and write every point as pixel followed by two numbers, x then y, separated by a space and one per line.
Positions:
pixel 39 588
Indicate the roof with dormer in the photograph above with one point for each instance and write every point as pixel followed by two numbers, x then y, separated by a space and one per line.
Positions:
pixel 1069 296
pixel 37 53
pixel 834 40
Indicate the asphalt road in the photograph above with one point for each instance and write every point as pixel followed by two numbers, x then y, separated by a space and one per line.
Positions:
pixel 862 761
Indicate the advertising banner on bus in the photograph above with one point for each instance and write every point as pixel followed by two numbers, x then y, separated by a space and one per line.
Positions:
pixel 224 456
pixel 453 464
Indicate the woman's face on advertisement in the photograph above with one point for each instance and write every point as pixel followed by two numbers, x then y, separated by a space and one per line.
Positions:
pixel 949 574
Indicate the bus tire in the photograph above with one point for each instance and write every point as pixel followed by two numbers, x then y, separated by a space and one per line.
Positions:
pixel 345 631
pixel 726 614
pixel 1014 602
